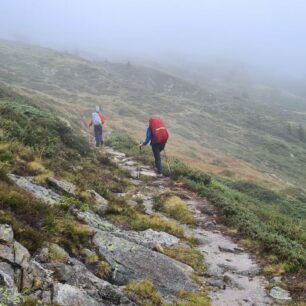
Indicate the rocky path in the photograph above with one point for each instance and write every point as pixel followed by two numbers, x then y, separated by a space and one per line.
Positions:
pixel 232 273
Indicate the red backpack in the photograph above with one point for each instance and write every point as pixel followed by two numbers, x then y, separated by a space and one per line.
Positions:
pixel 159 131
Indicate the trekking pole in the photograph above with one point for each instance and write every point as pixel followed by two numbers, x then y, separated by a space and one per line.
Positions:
pixel 138 163
pixel 89 135
pixel 167 161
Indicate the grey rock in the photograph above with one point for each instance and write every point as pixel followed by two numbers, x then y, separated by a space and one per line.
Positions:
pixel 148 173
pixel 95 221
pixel 43 194
pixel 65 186
pixel 132 203
pixel 6 233
pixel 217 283
pixel 51 252
pixel 6 253
pixel 214 271
pixel 98 198
pixel 133 262
pixel 280 294
pixel 6 275
pixel 230 249
pixel 22 255
pixel 276 280
pixel 229 281
pixel 79 276
pixel 66 295
pixel 129 163
pixel 36 277
pixel 149 238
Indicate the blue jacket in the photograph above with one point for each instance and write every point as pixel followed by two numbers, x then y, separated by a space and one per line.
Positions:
pixel 149 137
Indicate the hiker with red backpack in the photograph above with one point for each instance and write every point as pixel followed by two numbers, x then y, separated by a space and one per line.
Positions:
pixel 157 135
pixel 97 120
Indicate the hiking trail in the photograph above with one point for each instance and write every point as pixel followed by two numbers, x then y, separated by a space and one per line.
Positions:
pixel 231 273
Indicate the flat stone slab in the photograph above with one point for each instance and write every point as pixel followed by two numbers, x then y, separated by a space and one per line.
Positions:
pixel 134 262
pixel 41 193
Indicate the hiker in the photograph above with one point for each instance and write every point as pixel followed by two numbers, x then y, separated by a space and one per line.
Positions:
pixel 157 135
pixel 97 120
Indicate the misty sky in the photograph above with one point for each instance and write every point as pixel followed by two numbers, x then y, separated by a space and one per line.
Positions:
pixel 270 34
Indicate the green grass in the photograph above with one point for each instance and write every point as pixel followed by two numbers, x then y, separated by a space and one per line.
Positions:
pixel 174 207
pixel 143 293
pixel 189 256
pixel 274 221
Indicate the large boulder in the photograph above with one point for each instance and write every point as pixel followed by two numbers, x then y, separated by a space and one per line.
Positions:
pixel 134 262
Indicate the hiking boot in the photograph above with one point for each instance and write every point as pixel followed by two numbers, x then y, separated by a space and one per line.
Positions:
pixel 159 175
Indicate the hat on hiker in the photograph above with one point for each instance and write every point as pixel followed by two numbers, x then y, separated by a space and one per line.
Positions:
pixel 98 109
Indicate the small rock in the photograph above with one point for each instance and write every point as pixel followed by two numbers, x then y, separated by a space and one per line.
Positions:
pixel 6 233
pixel 276 280
pixel 22 255
pixel 230 249
pixel 214 271
pixel 216 283
pixel 62 272
pixel 63 185
pixel 130 163
pixel 280 294
pixel 158 248
pixel 132 203
pixel 97 197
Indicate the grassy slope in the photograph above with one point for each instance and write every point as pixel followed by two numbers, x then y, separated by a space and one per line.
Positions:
pixel 271 224
pixel 226 128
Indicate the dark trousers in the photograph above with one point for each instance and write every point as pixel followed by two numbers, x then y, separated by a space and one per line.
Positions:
pixel 157 148
pixel 98 135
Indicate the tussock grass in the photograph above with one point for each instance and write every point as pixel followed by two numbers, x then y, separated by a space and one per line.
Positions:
pixel 174 207
pixel 103 269
pixel 189 256
pixel 192 298
pixel 141 222
pixel 143 293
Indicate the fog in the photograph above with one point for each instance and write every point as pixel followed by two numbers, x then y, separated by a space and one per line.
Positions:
pixel 264 35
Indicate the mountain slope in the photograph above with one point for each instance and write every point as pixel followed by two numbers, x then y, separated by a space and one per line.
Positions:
pixel 234 128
